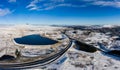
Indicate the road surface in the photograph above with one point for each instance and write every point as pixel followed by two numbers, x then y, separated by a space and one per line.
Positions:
pixel 37 62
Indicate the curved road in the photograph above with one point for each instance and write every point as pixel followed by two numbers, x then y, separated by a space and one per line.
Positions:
pixel 37 62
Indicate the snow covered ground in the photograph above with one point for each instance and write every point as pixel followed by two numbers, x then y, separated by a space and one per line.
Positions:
pixel 73 59
pixel 80 60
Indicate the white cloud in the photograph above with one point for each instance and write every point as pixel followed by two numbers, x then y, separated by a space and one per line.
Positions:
pixel 61 5
pixel 107 3
pixel 48 7
pixel 111 3
pixel 11 1
pixel 33 6
pixel 51 4
pixel 4 12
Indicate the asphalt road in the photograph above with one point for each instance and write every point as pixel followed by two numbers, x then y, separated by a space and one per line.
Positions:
pixel 37 62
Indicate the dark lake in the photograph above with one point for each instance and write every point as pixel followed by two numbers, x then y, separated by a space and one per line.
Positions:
pixel 6 57
pixel 35 39
pixel 85 47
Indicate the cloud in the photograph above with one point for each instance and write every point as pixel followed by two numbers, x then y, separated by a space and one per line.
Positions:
pixel 33 6
pixel 110 3
pixel 51 4
pixel 11 1
pixel 107 3
pixel 60 5
pixel 54 6
pixel 4 12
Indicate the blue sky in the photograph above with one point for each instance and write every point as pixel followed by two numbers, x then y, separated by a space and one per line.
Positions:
pixel 67 12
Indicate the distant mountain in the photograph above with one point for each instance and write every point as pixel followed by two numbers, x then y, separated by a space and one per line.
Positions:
pixel 110 26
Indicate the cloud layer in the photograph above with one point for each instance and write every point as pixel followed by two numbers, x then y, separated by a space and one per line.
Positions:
pixel 40 5
pixel 107 3
pixel 51 4
pixel 6 6
pixel 4 12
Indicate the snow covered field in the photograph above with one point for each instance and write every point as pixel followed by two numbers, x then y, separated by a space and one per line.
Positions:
pixel 80 60
pixel 73 59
